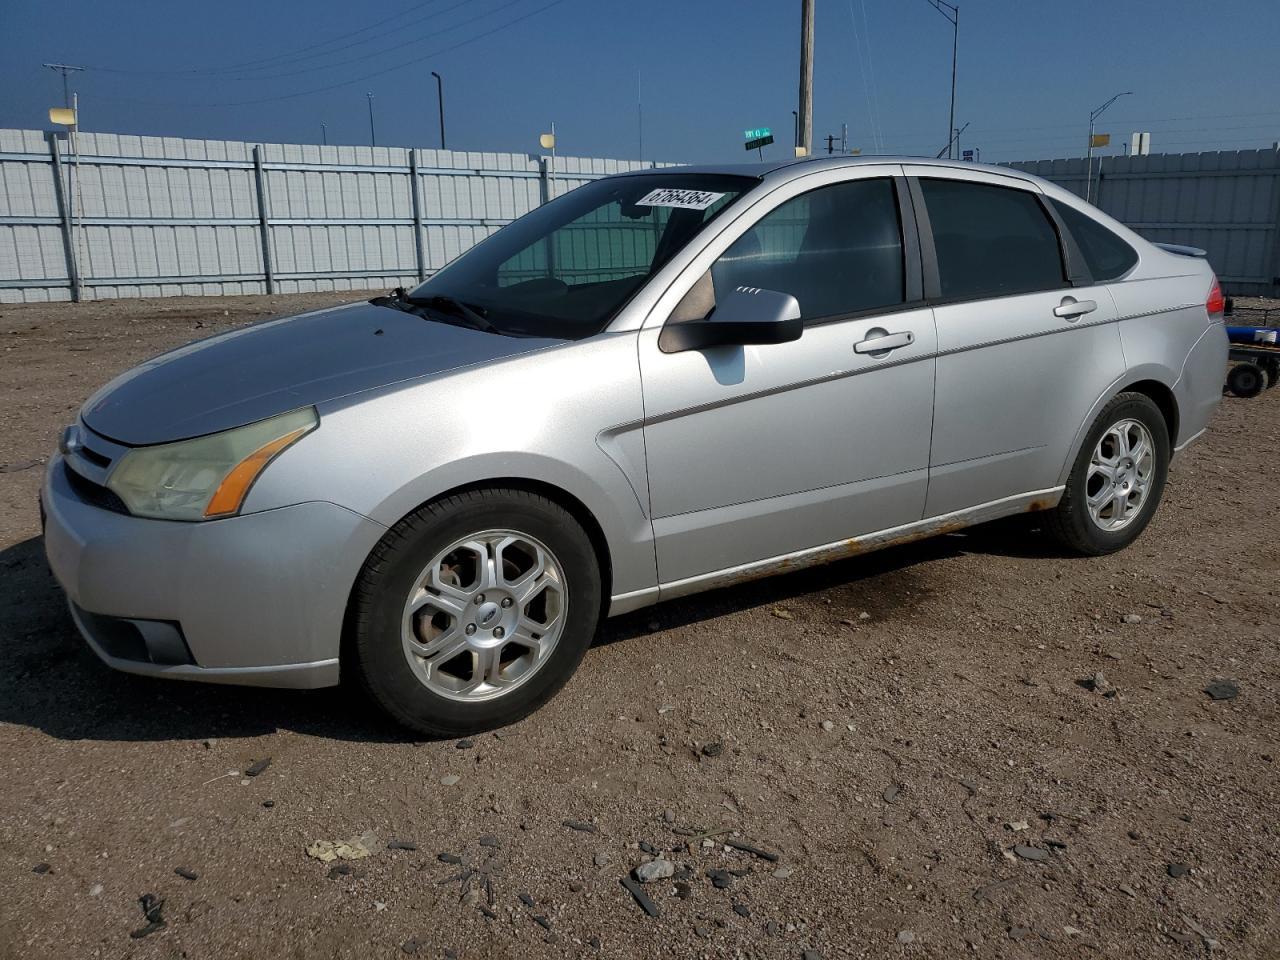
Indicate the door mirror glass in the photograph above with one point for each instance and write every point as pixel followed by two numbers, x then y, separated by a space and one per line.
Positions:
pixel 746 315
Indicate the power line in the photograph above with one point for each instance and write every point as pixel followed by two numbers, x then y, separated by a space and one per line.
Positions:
pixel 349 82
pixel 328 64
pixel 299 53
pixel 383 51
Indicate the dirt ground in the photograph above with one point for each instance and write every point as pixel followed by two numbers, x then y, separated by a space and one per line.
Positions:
pixel 888 727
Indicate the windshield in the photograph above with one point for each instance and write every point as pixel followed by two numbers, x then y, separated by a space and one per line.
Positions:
pixel 565 269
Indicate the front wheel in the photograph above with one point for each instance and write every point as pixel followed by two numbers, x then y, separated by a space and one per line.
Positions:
pixel 474 610
pixel 1117 479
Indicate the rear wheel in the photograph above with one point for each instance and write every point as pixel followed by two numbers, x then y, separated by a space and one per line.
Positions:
pixel 1117 479
pixel 474 610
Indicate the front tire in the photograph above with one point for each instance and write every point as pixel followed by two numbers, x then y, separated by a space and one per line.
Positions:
pixel 1117 480
pixel 474 610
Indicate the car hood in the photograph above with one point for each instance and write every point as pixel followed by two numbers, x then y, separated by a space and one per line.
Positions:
pixel 262 370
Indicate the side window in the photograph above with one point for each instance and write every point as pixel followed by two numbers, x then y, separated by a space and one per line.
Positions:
pixel 991 241
pixel 1106 255
pixel 837 250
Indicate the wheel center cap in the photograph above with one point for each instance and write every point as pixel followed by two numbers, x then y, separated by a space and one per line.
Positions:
pixel 489 615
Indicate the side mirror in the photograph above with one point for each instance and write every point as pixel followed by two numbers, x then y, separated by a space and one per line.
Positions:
pixel 747 315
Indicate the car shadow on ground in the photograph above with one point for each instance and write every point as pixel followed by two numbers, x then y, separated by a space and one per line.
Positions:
pixel 50 680
pixel 885 583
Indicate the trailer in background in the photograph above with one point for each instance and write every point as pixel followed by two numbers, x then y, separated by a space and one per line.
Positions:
pixel 1254 352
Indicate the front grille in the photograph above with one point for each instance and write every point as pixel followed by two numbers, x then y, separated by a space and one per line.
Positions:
pixel 92 493
pixel 96 449
pixel 97 459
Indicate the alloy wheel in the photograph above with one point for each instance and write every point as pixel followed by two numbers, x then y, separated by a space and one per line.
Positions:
pixel 484 615
pixel 1120 475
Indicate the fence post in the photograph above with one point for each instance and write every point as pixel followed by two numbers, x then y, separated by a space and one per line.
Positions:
pixel 264 226
pixel 64 214
pixel 417 214
pixel 544 185
pixel 548 245
pixel 1274 259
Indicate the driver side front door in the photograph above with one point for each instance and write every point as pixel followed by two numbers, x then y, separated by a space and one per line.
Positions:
pixel 756 453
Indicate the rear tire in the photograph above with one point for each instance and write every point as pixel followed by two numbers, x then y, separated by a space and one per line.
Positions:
pixel 1117 479
pixel 474 610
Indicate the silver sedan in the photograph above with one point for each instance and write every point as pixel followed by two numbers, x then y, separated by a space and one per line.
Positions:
pixel 659 383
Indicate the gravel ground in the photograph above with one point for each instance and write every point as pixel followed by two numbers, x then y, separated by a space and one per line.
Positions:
pixel 912 734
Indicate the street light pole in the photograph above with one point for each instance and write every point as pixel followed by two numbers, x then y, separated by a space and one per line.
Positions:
pixel 1093 116
pixel 952 13
pixel 373 136
pixel 324 133
pixel 440 98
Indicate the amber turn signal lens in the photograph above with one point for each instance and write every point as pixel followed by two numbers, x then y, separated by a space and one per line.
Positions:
pixel 231 492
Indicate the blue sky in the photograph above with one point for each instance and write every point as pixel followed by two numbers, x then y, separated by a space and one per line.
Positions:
pixel 1203 73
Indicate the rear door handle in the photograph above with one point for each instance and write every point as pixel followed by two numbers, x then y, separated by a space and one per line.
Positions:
pixel 1070 308
pixel 881 341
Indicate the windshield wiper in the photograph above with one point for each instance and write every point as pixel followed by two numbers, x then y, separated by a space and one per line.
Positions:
pixel 446 309
pixel 457 308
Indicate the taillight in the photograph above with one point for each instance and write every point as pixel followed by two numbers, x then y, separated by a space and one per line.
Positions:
pixel 1215 304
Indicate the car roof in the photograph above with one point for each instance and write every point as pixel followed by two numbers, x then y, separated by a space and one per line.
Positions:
pixel 799 166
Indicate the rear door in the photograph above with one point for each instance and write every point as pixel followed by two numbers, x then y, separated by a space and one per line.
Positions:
pixel 757 452
pixel 1026 341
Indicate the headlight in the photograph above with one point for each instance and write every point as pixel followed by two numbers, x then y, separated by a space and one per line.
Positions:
pixel 206 477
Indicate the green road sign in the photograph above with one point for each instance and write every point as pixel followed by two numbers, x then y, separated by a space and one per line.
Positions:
pixel 757 134
pixel 759 142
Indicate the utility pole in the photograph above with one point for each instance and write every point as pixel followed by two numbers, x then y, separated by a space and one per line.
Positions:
pixel 64 69
pixel 1093 116
pixel 373 136
pixel 805 117
pixel 795 116
pixel 440 98
pixel 831 143
pixel 952 13
pixel 844 138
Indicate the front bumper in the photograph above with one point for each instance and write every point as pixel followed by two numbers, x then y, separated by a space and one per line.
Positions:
pixel 258 599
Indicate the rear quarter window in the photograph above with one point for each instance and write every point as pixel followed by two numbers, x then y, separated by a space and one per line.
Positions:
pixel 1106 254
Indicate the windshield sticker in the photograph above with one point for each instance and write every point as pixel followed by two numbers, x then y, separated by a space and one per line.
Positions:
pixel 684 199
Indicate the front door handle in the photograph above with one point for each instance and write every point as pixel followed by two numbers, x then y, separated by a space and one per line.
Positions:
pixel 879 341
pixel 1070 308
